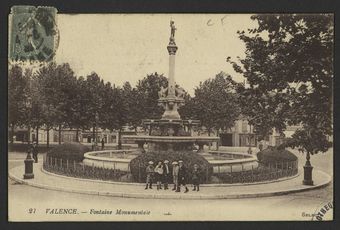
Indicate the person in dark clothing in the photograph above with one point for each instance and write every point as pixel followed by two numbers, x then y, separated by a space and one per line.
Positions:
pixel 182 174
pixel 166 174
pixel 35 152
pixel 103 143
pixel 150 170
pixel 196 178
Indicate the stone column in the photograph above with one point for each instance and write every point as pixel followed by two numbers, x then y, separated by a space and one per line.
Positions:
pixel 172 85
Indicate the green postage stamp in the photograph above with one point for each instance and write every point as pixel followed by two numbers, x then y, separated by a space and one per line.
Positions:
pixel 34 35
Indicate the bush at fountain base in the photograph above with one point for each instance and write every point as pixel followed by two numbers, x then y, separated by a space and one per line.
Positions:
pixel 138 165
pixel 276 157
pixel 69 151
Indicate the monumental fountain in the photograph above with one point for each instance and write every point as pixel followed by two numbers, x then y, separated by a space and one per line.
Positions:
pixel 171 135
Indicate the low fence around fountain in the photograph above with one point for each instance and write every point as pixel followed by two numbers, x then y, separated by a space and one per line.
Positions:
pixel 72 168
pixel 272 171
pixel 264 172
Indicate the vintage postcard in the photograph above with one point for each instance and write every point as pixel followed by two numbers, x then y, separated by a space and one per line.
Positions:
pixel 169 117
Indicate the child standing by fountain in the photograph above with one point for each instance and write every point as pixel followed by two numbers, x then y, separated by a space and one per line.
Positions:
pixel 149 174
pixel 166 174
pixel 159 174
pixel 175 169
pixel 196 178
pixel 182 174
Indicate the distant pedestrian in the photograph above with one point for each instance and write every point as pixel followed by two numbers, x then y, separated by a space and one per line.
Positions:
pixel 196 178
pixel 166 174
pixel 103 143
pixel 35 152
pixel 93 145
pixel 159 174
pixel 182 174
pixel 261 146
pixel 175 170
pixel 149 175
pixel 250 150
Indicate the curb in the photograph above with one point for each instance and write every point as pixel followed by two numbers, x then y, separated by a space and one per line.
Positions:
pixel 172 196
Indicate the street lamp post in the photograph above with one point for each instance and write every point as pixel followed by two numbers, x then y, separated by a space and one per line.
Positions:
pixel 29 161
pixel 308 168
pixel 249 149
pixel 29 165
pixel 96 132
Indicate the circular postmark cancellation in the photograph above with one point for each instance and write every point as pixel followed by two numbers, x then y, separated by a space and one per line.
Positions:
pixel 34 35
pixel 324 212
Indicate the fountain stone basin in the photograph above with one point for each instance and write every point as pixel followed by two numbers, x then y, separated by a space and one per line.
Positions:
pixel 227 162
pixel 170 143
pixel 173 139
pixel 222 162
pixel 110 159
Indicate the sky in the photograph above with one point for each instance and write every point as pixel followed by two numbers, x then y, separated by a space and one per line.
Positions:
pixel 127 47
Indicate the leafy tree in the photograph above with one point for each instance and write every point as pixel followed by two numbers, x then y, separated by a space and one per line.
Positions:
pixel 17 98
pixel 116 110
pixel 45 83
pixel 134 105
pixel 263 110
pixel 78 110
pixel 147 91
pixel 35 118
pixel 93 100
pixel 56 92
pixel 293 55
pixel 188 109
pixel 215 103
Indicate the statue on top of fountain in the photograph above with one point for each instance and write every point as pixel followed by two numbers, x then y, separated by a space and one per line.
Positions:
pixel 172 34
pixel 163 92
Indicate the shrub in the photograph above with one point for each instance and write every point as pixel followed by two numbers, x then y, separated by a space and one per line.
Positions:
pixel 138 165
pixel 69 151
pixel 275 155
pixel 23 147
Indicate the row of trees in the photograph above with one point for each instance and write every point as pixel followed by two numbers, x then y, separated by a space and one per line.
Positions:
pixel 55 97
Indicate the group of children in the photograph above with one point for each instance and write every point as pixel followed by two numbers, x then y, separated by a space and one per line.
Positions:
pixel 177 174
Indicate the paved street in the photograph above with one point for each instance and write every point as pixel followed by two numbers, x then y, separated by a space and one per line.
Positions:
pixel 298 206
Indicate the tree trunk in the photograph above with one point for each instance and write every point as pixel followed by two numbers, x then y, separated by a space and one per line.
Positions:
pixel 12 133
pixel 77 135
pixel 218 142
pixel 119 139
pixel 48 137
pixel 29 134
pixel 59 139
pixel 150 130
pixel 209 133
pixel 94 133
pixel 37 135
